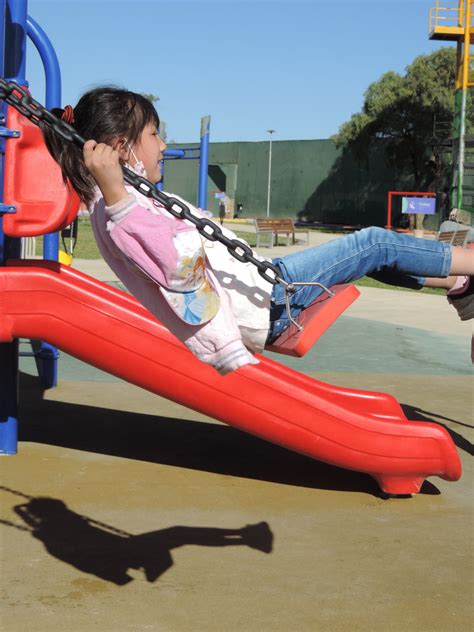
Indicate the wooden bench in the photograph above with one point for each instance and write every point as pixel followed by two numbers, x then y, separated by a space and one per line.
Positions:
pixel 275 227
pixel 456 237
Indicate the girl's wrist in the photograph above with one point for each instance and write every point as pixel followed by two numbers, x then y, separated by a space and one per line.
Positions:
pixel 115 195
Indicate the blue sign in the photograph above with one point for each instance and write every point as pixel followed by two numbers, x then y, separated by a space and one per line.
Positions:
pixel 419 205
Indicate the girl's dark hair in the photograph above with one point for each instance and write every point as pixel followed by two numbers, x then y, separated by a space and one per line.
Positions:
pixel 102 114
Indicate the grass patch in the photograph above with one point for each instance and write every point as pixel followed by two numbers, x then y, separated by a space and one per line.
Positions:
pixel 368 282
pixel 86 248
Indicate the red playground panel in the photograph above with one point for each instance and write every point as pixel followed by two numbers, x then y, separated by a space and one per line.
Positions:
pixel 34 184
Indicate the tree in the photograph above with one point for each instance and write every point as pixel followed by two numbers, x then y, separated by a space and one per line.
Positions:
pixel 401 111
pixel 151 97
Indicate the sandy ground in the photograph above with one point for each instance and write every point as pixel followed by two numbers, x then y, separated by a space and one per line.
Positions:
pixel 126 512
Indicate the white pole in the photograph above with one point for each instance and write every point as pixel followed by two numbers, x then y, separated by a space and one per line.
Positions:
pixel 270 131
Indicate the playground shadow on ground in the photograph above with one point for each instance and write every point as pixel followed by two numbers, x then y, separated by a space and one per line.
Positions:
pixel 417 414
pixel 197 445
pixel 109 553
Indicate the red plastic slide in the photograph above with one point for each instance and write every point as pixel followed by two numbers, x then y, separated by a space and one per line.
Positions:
pixel 356 430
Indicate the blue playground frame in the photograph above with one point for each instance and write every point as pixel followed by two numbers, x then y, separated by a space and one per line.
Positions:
pixel 15 27
pixel 200 153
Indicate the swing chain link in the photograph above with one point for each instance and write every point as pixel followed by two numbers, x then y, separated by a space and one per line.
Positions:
pixel 19 98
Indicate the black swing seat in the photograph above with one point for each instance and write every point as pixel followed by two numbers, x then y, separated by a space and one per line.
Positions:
pixel 315 319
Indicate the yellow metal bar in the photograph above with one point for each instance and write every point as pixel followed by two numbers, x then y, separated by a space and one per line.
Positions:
pixel 461 13
pixel 467 44
pixel 447 23
pixel 464 54
pixel 450 19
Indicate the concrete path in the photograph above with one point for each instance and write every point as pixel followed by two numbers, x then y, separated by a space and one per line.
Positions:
pixel 124 512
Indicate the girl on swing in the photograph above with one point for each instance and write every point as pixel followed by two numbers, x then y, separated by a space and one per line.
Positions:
pixel 223 310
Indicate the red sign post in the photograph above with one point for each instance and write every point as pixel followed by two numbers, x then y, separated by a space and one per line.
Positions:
pixel 411 194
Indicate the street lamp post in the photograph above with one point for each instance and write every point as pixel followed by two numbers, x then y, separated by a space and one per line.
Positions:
pixel 270 131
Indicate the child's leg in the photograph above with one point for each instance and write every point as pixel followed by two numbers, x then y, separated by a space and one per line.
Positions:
pixel 399 279
pixel 462 264
pixel 445 284
pixel 376 252
pixel 462 261
pixel 372 251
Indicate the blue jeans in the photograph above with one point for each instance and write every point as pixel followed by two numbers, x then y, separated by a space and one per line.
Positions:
pixel 390 257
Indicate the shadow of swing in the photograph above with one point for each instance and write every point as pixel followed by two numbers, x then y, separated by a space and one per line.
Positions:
pixel 109 553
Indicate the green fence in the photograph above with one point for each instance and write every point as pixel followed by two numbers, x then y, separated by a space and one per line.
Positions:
pixel 310 179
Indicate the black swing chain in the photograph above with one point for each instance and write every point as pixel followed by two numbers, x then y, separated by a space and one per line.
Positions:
pixel 21 100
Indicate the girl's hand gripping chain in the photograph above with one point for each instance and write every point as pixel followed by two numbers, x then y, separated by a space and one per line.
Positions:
pixel 104 164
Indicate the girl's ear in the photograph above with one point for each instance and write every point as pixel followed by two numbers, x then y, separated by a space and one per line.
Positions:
pixel 121 145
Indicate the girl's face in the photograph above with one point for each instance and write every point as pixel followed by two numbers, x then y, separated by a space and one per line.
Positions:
pixel 149 149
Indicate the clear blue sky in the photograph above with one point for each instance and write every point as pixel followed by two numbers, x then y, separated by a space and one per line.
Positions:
pixel 298 66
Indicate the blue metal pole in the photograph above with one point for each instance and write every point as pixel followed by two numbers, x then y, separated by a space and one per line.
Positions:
pixel 15 41
pixel 174 153
pixel 204 162
pixel 13 44
pixel 185 157
pixel 8 408
pixel 47 358
pixel 53 100
pixel 195 148
pixel 2 35
pixel 160 185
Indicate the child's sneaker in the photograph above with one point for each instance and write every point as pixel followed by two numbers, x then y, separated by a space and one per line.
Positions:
pixel 463 300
